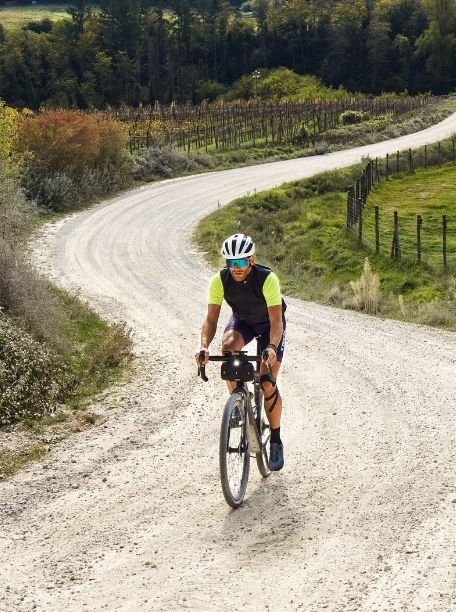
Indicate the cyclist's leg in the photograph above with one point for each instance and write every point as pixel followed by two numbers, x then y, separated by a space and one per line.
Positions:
pixel 272 396
pixel 236 335
pixel 273 405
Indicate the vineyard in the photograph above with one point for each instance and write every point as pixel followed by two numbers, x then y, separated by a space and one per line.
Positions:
pixel 226 126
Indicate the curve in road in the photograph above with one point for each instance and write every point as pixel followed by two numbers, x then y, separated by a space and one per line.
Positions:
pixel 129 515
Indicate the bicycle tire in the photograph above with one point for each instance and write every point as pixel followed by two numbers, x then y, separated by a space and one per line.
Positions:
pixel 232 436
pixel 262 458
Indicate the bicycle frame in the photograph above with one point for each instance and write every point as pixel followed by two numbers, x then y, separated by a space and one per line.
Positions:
pixel 254 435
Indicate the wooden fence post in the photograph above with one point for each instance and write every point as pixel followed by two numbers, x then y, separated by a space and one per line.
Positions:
pixel 419 221
pixel 377 232
pixel 397 162
pixel 439 151
pixel 453 150
pixel 395 247
pixel 444 228
pixel 425 156
pixel 360 221
pixel 387 166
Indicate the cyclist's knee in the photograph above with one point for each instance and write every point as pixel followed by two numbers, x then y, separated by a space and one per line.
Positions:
pixel 232 341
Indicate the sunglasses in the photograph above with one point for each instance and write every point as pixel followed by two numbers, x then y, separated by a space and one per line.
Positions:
pixel 242 262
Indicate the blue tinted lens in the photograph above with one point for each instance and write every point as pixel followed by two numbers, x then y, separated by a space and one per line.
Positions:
pixel 240 263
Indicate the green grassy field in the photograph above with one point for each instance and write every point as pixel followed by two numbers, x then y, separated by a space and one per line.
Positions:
pixel 11 16
pixel 300 231
pixel 429 193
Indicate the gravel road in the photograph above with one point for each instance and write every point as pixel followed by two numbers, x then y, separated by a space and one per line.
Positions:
pixel 129 515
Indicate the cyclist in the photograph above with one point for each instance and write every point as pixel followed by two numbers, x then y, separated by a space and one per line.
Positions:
pixel 253 292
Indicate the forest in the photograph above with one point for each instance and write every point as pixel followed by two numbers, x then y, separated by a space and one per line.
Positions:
pixel 136 52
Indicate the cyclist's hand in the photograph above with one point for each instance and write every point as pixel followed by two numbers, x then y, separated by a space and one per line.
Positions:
pixel 272 356
pixel 206 357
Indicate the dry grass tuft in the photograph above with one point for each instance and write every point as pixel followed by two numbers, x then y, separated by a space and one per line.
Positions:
pixel 366 290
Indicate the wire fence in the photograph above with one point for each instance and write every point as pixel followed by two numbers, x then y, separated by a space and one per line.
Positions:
pixel 406 235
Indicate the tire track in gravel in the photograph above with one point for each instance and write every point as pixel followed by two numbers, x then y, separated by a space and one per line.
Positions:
pixel 129 515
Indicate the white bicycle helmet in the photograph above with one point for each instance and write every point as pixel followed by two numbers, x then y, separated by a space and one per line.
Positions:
pixel 238 245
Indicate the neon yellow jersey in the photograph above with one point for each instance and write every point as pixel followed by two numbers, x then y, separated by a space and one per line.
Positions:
pixel 250 298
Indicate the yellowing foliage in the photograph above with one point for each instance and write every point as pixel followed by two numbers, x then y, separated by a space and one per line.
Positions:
pixel 9 118
pixel 64 139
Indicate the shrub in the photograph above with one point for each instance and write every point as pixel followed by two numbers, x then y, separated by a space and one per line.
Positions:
pixel 61 191
pixel 349 117
pixel 157 162
pixel 62 139
pixel 28 375
pixel 73 157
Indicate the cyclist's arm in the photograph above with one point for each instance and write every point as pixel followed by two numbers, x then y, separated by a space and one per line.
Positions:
pixel 273 297
pixel 214 299
pixel 275 318
pixel 210 325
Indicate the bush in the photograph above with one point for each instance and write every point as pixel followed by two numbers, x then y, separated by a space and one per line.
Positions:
pixel 63 191
pixel 72 157
pixel 28 375
pixel 158 162
pixel 349 117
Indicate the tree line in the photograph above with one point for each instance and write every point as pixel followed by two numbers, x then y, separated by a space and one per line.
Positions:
pixel 128 51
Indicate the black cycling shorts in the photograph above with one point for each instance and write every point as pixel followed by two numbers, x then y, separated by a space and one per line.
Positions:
pixel 260 330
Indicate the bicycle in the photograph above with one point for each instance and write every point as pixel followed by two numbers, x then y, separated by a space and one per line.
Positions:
pixel 244 430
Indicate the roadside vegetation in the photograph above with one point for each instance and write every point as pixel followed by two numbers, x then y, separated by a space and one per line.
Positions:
pixel 299 230
pixel 54 351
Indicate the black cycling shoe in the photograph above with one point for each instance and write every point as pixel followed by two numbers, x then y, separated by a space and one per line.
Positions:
pixel 276 456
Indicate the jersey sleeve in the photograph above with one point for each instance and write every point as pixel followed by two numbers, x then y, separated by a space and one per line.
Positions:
pixel 215 292
pixel 271 291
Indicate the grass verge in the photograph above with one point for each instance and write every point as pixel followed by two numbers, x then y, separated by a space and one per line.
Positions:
pixel 299 230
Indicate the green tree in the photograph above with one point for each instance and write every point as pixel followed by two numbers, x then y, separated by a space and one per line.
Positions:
pixel 437 44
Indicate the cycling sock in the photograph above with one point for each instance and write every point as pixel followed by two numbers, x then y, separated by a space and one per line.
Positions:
pixel 275 436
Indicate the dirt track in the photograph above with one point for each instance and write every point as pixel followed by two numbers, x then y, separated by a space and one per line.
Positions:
pixel 129 515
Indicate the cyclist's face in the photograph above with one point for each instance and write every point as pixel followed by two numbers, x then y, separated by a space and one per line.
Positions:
pixel 239 274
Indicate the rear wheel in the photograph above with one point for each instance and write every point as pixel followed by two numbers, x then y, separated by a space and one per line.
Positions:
pixel 262 458
pixel 234 454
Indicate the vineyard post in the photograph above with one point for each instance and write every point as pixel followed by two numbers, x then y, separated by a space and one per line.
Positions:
pixel 419 221
pixel 444 229
pixel 377 232
pixel 360 221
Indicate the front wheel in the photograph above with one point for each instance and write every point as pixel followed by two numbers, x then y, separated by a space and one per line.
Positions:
pixel 262 458
pixel 234 454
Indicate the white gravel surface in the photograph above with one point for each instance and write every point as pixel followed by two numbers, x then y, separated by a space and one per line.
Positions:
pixel 129 515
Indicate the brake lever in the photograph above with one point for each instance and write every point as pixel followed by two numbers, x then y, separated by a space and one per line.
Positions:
pixel 202 368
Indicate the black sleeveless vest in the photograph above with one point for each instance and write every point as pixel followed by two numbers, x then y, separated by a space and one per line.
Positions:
pixel 246 297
